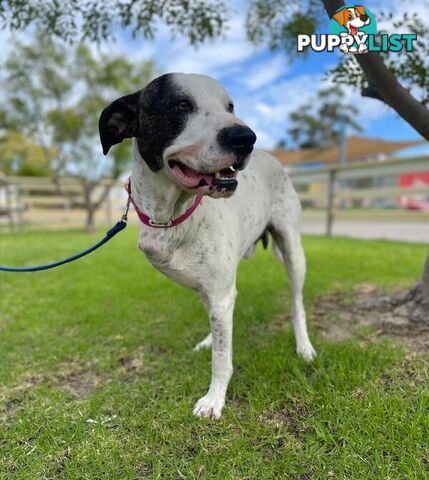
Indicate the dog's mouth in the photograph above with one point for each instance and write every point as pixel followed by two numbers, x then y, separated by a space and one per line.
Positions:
pixel 222 181
pixel 353 30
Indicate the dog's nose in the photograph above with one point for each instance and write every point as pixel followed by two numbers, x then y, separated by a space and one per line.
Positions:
pixel 238 139
pixel 364 18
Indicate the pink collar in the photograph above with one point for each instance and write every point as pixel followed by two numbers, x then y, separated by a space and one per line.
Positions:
pixel 172 223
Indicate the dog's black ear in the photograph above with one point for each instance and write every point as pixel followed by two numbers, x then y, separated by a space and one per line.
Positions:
pixel 119 120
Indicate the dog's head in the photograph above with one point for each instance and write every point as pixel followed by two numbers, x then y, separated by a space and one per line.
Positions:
pixel 352 18
pixel 185 126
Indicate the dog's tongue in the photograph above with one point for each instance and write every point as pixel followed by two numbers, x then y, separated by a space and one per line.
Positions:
pixel 190 177
pixel 353 30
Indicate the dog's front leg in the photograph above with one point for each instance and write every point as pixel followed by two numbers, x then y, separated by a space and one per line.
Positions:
pixel 221 309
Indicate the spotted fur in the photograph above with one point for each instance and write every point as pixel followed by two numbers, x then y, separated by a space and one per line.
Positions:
pixel 203 252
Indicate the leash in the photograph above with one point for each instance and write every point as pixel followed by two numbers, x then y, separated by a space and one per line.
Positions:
pixel 111 233
pixel 108 236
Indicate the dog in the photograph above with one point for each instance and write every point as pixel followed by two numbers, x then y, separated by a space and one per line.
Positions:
pixel 353 18
pixel 205 197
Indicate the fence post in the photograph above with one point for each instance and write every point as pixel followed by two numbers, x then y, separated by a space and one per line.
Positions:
pixel 109 207
pixel 9 205
pixel 330 201
pixel 19 206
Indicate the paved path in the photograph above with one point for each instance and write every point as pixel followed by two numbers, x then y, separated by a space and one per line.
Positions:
pixel 406 231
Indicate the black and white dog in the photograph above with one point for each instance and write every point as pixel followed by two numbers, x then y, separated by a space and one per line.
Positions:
pixel 189 144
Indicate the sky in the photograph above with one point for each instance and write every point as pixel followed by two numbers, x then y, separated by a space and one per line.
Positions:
pixel 265 85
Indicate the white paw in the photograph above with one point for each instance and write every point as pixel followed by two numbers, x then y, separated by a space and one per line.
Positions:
pixel 362 48
pixel 206 343
pixel 307 352
pixel 209 406
pixel 344 48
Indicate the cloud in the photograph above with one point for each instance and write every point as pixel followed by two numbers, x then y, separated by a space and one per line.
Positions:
pixel 267 111
pixel 265 72
pixel 175 54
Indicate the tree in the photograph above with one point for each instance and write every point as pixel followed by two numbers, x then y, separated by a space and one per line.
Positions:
pixel 96 20
pixel 55 95
pixel 19 155
pixel 275 22
pixel 320 122
pixel 411 68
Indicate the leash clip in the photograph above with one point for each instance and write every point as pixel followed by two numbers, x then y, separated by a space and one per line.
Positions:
pixel 125 214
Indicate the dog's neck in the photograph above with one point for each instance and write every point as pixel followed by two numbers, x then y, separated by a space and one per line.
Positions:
pixel 155 194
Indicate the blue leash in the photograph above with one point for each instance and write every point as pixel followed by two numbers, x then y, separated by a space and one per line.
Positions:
pixel 109 235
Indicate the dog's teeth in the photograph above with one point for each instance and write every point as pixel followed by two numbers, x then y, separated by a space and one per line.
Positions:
pixel 218 175
pixel 232 168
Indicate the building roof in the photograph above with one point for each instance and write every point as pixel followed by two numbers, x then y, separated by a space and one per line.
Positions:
pixel 357 148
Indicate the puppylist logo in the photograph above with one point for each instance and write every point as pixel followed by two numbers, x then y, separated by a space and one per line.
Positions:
pixel 353 29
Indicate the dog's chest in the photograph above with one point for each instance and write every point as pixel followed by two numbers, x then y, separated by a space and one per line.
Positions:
pixel 170 255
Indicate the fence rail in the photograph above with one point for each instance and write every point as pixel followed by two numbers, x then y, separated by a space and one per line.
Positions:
pixel 37 201
pixel 333 181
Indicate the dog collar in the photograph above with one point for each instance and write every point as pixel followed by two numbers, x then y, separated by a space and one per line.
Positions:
pixel 172 223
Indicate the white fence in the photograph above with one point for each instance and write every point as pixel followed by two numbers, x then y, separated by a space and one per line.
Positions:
pixel 36 201
pixel 333 184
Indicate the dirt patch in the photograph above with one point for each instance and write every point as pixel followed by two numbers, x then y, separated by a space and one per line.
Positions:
pixel 131 364
pixel 75 379
pixel 132 367
pixel 12 398
pixel 78 381
pixel 367 314
pixel 291 417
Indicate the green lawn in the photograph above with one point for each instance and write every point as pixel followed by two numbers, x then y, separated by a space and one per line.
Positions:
pixel 98 380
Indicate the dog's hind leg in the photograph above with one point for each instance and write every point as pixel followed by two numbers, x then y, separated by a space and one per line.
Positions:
pixel 285 232
pixel 205 343
pixel 220 306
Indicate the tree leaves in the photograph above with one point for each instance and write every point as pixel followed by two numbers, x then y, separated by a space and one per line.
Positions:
pixel 278 22
pixel 96 20
pixel 320 122
pixel 54 96
pixel 411 68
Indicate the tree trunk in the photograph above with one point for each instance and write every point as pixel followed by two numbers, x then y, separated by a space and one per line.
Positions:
pixel 392 92
pixel 89 207
pixel 414 304
pixel 90 219
pixel 418 301
pixel 424 282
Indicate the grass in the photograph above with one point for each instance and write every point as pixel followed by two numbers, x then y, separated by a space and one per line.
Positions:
pixel 97 376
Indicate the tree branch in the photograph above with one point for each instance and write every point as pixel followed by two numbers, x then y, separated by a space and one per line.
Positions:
pixel 386 84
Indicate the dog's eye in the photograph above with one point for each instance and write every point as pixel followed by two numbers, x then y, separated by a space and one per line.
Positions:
pixel 183 106
pixel 230 107
pixel 350 16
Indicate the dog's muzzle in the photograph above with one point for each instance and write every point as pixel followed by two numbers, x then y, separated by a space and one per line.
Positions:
pixel 237 140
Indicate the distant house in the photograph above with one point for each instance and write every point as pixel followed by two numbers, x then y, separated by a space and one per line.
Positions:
pixel 357 149
pixel 360 149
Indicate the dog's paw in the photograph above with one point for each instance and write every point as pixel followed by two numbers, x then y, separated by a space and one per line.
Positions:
pixel 206 343
pixel 208 406
pixel 306 352
pixel 362 48
pixel 344 48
